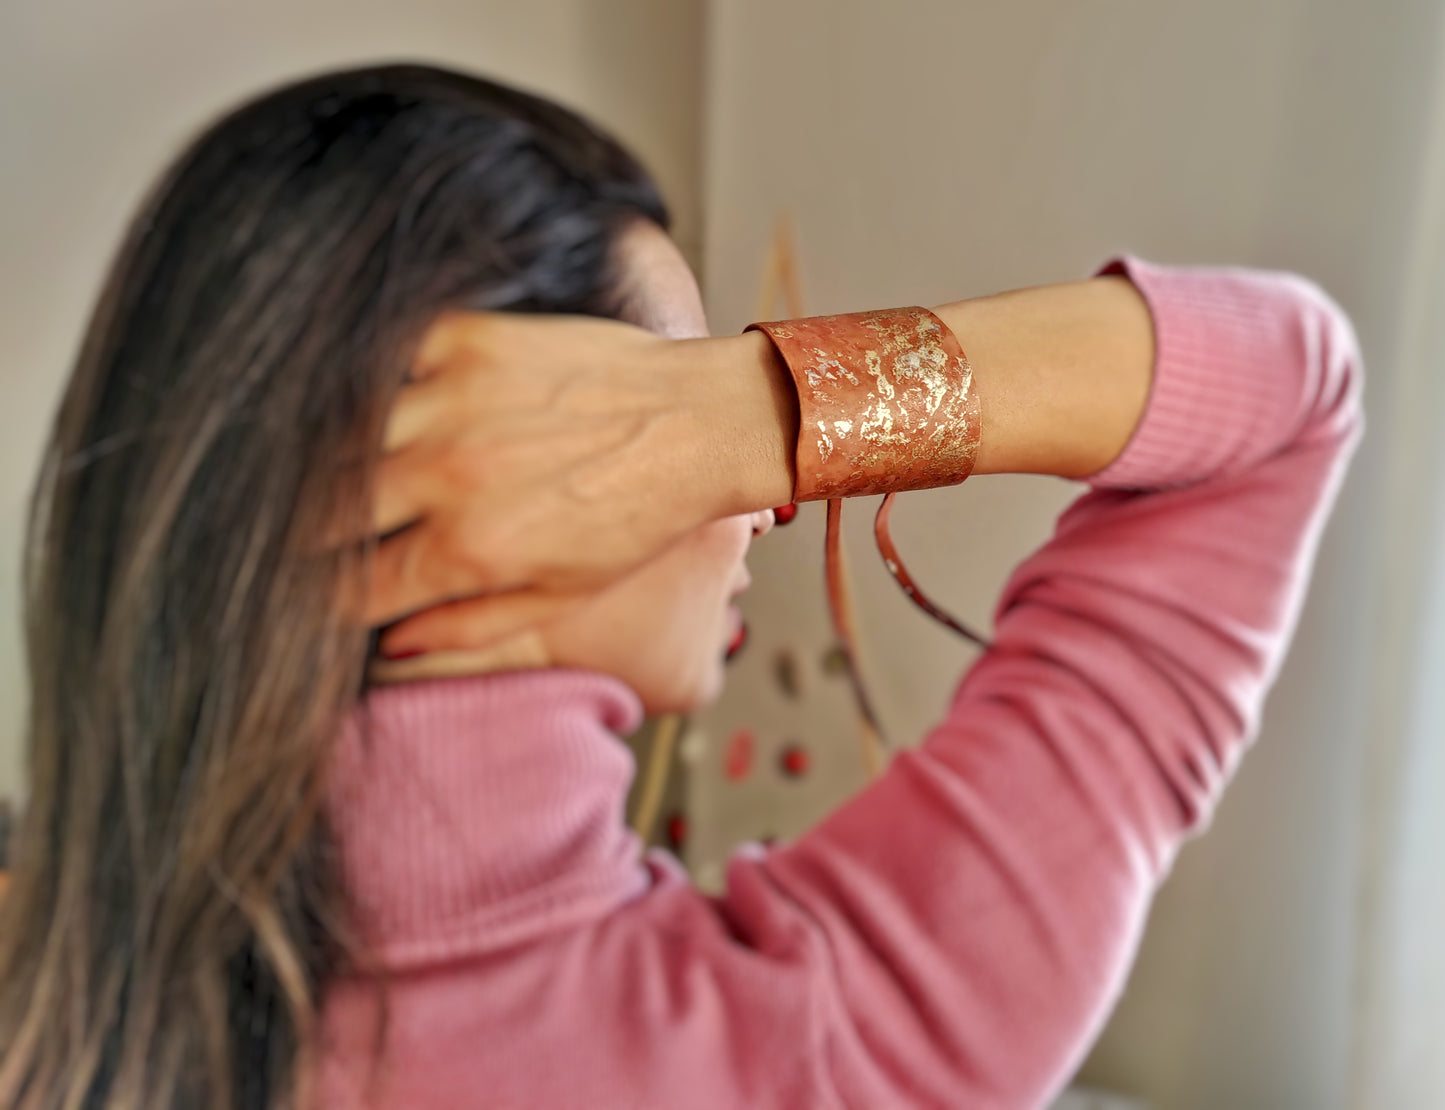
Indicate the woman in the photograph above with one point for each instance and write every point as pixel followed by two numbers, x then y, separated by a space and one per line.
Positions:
pixel 248 877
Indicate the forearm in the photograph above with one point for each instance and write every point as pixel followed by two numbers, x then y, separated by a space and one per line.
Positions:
pixel 1062 374
pixel 553 455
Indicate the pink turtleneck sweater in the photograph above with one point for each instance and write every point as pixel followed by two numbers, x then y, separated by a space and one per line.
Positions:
pixel 954 935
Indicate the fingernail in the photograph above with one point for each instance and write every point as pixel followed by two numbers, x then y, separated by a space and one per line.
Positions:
pixel 784 514
pixel 740 638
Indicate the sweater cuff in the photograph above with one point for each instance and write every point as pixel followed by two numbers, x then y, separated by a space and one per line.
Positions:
pixel 1207 395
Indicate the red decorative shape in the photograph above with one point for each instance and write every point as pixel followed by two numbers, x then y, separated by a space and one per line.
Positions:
pixel 785 514
pixel 795 761
pixel 738 756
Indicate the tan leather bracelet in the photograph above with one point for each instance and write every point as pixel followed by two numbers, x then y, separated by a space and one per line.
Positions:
pixel 886 402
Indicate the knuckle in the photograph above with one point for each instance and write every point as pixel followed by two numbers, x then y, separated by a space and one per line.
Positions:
pixel 472 550
pixel 464 467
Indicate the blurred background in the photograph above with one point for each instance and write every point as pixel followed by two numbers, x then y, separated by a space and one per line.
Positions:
pixel 918 151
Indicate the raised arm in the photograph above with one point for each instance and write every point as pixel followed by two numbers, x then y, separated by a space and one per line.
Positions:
pixel 973 913
pixel 647 438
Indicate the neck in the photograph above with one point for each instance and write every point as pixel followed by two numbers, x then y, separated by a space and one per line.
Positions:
pixel 475 812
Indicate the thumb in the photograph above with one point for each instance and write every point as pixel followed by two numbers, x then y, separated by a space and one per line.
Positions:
pixel 472 624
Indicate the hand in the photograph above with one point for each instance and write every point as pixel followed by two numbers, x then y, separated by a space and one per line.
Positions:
pixel 533 459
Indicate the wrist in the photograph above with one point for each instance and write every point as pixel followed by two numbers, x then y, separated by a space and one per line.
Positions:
pixel 885 402
pixel 743 413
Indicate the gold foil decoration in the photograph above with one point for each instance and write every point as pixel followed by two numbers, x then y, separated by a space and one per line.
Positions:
pixel 885 402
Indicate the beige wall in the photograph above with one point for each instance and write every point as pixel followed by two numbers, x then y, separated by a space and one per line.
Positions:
pixel 96 96
pixel 930 150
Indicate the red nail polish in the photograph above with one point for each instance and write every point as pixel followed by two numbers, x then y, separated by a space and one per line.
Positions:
pixel 784 514
pixel 404 653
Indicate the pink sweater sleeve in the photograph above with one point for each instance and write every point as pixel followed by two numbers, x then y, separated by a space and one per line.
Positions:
pixel 970 917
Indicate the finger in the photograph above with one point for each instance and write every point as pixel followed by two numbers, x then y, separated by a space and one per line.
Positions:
pixel 429 565
pixel 412 570
pixel 523 651
pixel 441 341
pixel 419 407
pixel 399 498
pixel 474 623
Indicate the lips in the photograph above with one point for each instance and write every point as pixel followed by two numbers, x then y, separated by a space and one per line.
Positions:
pixel 739 638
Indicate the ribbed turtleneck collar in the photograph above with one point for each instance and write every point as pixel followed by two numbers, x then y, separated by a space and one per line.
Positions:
pixel 479 812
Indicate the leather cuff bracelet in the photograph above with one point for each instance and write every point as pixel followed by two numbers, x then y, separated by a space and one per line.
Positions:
pixel 886 402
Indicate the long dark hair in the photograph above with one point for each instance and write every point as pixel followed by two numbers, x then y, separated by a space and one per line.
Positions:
pixel 173 908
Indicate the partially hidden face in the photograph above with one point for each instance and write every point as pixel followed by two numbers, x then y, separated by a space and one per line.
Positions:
pixel 664 629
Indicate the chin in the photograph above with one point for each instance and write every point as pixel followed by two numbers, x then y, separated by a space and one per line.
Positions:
pixel 689 694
